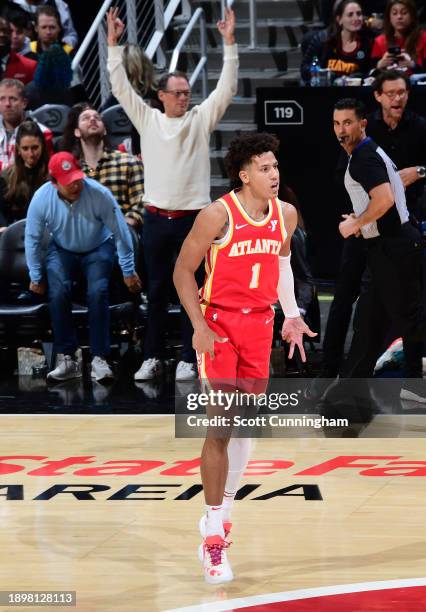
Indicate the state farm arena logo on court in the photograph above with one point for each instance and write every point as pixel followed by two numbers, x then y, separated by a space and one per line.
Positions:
pixel 87 486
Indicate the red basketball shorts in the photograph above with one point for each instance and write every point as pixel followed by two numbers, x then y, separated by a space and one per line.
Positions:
pixel 243 361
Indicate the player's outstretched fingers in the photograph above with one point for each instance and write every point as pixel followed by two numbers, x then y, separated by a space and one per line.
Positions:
pixel 302 351
pixel 310 333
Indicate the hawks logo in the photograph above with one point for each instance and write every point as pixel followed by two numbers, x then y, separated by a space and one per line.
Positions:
pixel 273 225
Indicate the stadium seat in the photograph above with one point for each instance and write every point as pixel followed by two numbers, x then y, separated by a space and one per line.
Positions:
pixel 24 317
pixel 53 116
pixel 117 124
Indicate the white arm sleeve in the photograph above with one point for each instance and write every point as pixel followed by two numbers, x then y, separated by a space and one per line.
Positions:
pixel 285 288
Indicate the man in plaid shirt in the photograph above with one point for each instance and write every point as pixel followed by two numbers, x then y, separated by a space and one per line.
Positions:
pixel 121 173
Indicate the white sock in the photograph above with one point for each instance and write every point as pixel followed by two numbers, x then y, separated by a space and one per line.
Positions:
pixel 239 450
pixel 214 524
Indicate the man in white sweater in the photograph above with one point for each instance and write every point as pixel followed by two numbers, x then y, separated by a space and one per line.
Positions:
pixel 175 151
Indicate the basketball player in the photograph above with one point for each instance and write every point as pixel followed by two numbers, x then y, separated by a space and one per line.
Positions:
pixel 245 238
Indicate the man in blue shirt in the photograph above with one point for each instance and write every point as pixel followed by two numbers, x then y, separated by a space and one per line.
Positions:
pixel 85 224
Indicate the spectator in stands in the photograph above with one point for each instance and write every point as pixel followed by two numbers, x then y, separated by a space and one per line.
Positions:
pixel 13 65
pixel 141 75
pixel 19 182
pixel 344 48
pixel 70 34
pixel 402 135
pixel 83 219
pixel 49 32
pixel 140 72
pixel 85 136
pixel 175 150
pixel 403 43
pixel 12 113
pixel 52 81
pixel 21 29
pixel 371 7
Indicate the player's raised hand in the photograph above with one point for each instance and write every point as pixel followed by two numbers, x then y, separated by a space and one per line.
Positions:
pixel 203 340
pixel 115 27
pixel 226 27
pixel 292 332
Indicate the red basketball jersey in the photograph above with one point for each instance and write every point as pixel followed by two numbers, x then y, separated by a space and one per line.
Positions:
pixel 242 268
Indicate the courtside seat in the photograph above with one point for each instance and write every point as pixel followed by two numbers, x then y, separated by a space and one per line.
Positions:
pixel 53 116
pixel 22 315
pixel 117 124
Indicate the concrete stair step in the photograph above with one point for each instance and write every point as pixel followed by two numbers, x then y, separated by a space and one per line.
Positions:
pixel 260 58
pixel 241 109
pixel 226 131
pixel 217 165
pixel 272 9
pixel 269 33
pixel 249 80
pixel 218 187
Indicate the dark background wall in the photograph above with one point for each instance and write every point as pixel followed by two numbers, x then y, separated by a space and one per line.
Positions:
pixel 83 14
pixel 308 158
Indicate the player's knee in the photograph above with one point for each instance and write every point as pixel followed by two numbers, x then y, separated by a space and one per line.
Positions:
pixel 216 444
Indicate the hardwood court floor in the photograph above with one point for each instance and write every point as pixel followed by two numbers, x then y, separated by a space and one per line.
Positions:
pixel 130 555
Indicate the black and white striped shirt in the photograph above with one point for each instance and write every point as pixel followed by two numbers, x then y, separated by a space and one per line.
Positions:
pixel 369 167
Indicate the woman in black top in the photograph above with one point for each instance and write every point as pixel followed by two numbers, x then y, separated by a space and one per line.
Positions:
pixel 348 46
pixel 28 172
pixel 345 47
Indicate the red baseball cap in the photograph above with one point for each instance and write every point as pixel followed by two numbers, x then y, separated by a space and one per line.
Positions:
pixel 64 168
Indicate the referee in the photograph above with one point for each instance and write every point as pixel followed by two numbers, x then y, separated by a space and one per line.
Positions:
pixel 392 294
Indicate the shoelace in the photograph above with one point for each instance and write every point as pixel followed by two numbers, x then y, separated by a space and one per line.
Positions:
pixel 215 551
pixel 227 529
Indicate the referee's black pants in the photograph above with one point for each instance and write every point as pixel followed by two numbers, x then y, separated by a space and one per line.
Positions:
pixel 392 295
pixel 347 289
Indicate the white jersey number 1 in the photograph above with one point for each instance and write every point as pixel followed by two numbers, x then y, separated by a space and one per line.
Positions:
pixel 254 283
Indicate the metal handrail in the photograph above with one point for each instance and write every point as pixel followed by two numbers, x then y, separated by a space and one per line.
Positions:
pixel 168 14
pixel 163 19
pixel 202 64
pixel 253 17
pixel 156 38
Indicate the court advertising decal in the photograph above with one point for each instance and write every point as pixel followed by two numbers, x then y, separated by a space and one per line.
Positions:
pixel 162 487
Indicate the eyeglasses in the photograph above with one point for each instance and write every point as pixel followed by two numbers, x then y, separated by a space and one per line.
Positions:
pixel 393 94
pixel 178 94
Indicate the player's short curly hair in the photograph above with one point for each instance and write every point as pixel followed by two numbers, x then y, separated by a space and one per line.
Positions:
pixel 244 147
